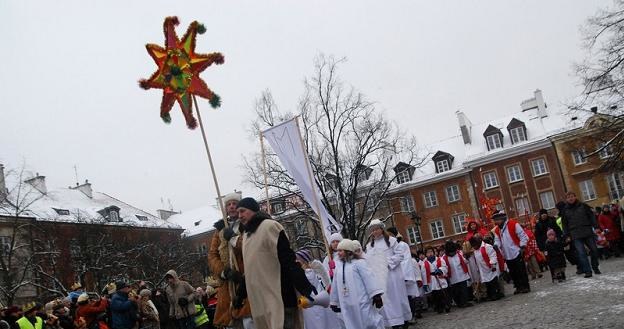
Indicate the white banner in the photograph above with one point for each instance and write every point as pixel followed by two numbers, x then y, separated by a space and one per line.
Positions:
pixel 285 140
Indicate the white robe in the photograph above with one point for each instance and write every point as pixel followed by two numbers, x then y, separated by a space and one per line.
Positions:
pixel 352 290
pixel 412 287
pixel 435 282
pixel 318 317
pixel 338 316
pixel 485 270
pixel 457 271
pixel 385 261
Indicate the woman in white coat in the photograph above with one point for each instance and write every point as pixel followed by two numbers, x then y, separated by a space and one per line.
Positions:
pixel 331 264
pixel 385 256
pixel 355 292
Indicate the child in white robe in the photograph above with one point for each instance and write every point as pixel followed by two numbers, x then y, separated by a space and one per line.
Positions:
pixel 384 257
pixel 316 317
pixel 458 273
pixel 435 274
pixel 489 268
pixel 355 292
pixel 331 264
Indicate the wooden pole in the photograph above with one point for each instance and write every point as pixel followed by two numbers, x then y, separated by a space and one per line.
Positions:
pixel 266 179
pixel 214 175
pixel 312 181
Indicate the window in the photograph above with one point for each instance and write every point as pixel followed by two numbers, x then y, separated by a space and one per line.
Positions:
pixel 413 233
pixel 114 216
pixel 490 180
pixel 459 223
pixel 62 212
pixel 616 188
pixel 442 166
pixel 539 167
pixel 522 206
pixel 547 199
pixel 143 218
pixel 579 157
pixel 500 207
pixel 407 203
pixel 5 244
pixel 514 174
pixel 74 249
pixel 437 230
pixel 588 192
pixel 494 141
pixel 202 249
pixel 605 150
pixel 452 193
pixel 517 135
pixel 403 176
pixel 431 199
pixel 278 208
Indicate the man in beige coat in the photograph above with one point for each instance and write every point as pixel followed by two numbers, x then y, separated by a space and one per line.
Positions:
pixel 181 297
pixel 272 275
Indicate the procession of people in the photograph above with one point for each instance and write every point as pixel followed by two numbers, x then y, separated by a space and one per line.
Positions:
pixel 260 282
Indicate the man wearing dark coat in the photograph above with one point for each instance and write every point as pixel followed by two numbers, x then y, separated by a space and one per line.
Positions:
pixel 579 223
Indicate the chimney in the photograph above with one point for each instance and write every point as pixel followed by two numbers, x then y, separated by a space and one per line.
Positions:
pixel 465 126
pixel 165 214
pixel 594 109
pixel 536 103
pixel 3 190
pixel 85 189
pixel 38 182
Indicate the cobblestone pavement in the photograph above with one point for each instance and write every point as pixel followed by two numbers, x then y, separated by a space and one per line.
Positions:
pixel 597 302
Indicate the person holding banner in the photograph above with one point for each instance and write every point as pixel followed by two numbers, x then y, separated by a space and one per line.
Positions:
pixel 384 256
pixel 272 275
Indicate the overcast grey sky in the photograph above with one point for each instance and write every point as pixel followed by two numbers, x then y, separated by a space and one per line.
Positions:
pixel 69 71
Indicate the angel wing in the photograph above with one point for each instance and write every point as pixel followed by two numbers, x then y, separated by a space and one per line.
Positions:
pixel 320 271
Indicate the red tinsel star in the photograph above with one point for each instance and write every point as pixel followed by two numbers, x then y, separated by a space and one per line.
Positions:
pixel 178 71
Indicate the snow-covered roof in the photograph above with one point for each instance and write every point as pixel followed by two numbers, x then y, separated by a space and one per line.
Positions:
pixel 71 205
pixel 197 221
pixel 540 125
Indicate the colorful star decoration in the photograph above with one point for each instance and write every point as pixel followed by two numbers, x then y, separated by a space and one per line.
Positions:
pixel 178 71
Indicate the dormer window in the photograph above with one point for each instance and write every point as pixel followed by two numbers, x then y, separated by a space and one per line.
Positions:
pixel 443 161
pixel 197 223
pixel 404 172
pixel 111 214
pixel 493 137
pixel 61 212
pixel 141 217
pixel 363 172
pixel 517 131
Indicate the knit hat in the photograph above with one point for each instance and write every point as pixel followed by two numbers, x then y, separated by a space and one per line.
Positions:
pixel 120 285
pixel 145 293
pixel 543 212
pixel 305 255
pixel 83 298
pixel 357 244
pixel 249 203
pixel 30 306
pixel 376 223
pixel 335 237
pixel 551 232
pixel 499 215
pixel 347 245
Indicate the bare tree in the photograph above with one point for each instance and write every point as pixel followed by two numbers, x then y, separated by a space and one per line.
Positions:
pixel 601 75
pixel 352 147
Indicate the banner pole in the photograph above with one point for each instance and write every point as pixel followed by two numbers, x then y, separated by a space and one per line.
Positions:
pixel 266 179
pixel 313 181
pixel 214 175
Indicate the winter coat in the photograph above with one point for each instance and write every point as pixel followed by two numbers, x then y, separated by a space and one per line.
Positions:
pixel 123 311
pixel 607 222
pixel 578 220
pixel 89 312
pixel 541 228
pixel 149 315
pixel 272 274
pixel 218 259
pixel 180 289
pixel 555 254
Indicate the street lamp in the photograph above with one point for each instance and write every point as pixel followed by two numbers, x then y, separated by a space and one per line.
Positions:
pixel 417 220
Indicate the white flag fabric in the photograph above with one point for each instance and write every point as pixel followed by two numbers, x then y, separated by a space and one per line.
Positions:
pixel 285 140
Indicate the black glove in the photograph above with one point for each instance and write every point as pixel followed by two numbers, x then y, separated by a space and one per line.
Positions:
pixel 183 301
pixel 232 275
pixel 237 302
pixel 377 301
pixel 228 233
pixel 335 308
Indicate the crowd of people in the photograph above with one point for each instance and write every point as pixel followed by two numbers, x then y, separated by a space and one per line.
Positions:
pixel 260 282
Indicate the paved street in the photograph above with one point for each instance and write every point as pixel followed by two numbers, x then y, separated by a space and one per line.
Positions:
pixel 578 303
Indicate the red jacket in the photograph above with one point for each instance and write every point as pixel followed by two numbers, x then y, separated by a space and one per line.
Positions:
pixel 607 222
pixel 90 311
